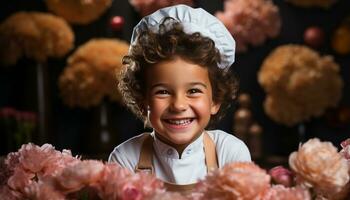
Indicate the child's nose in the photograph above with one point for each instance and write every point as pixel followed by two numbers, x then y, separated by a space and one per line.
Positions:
pixel 179 103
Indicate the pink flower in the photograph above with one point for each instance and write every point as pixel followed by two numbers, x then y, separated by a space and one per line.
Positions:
pixel 169 196
pixel 81 174
pixel 250 21
pixel 130 192
pixel 44 160
pixel 146 7
pixel 281 175
pixel 147 184
pixel 345 152
pixel 12 160
pixel 239 180
pixel 5 172
pixel 345 143
pixel 319 165
pixel 119 183
pixel 279 192
pixel 20 179
pixel 34 158
pixel 112 179
pixel 59 161
pixel 42 190
pixel 8 112
pixel 7 193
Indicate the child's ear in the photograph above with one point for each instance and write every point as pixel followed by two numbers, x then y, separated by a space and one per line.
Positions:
pixel 214 108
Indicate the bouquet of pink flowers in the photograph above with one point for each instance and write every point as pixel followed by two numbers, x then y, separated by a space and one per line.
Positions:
pixel 319 172
pixel 44 173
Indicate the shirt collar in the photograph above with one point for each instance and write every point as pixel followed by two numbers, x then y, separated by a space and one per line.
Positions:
pixel 169 151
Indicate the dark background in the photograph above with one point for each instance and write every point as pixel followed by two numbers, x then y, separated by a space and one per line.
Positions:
pixel 78 129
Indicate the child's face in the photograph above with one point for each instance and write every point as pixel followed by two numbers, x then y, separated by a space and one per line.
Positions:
pixel 179 96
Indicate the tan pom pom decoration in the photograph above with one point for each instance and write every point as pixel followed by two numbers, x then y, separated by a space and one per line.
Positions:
pixel 299 83
pixel 79 11
pixel 91 73
pixel 34 35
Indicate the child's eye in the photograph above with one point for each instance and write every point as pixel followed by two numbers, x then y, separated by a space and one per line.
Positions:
pixel 194 91
pixel 161 92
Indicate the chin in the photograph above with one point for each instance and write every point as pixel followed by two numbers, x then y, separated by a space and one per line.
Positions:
pixel 181 141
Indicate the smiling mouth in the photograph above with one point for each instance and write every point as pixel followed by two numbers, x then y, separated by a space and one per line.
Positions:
pixel 179 122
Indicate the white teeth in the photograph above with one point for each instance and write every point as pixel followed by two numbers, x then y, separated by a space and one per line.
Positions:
pixel 179 122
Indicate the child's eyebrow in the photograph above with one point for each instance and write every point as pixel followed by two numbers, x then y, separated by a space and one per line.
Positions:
pixel 159 85
pixel 190 84
pixel 198 83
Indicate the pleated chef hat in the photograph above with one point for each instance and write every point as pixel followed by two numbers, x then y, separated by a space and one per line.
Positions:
pixel 193 20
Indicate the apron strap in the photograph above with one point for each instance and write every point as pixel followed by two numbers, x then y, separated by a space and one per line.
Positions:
pixel 210 153
pixel 146 154
pixel 184 189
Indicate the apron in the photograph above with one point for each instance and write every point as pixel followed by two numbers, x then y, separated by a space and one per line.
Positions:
pixel 146 157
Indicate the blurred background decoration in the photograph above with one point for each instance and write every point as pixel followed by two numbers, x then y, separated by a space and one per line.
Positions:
pixel 299 83
pixel 250 22
pixel 37 36
pixel 60 58
pixel 78 11
pixel 147 7
pixel 89 78
pixel 313 3
pixel 17 128
pixel 91 73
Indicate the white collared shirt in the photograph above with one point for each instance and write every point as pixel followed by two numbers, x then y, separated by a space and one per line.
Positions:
pixel 191 167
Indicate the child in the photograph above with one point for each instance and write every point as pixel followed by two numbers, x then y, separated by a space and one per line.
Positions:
pixel 177 80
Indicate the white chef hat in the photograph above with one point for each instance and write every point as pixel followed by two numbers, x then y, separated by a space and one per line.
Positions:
pixel 193 20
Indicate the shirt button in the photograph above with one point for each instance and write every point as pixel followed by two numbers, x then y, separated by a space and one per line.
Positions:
pixel 169 152
pixel 188 151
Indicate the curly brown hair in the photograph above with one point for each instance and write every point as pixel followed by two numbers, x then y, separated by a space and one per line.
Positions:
pixel 170 41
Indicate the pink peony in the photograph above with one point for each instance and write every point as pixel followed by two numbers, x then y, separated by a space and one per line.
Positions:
pixel 34 158
pixel 146 7
pixel 76 176
pixel 7 193
pixel 119 183
pixel 20 179
pixel 169 196
pixel 319 165
pixel 44 160
pixel 281 175
pixel 32 164
pixel 130 192
pixel 250 22
pixel 279 192
pixel 148 185
pixel 239 180
pixel 112 179
pixel 345 152
pixel 42 190
pixel 59 161
pixel 6 170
